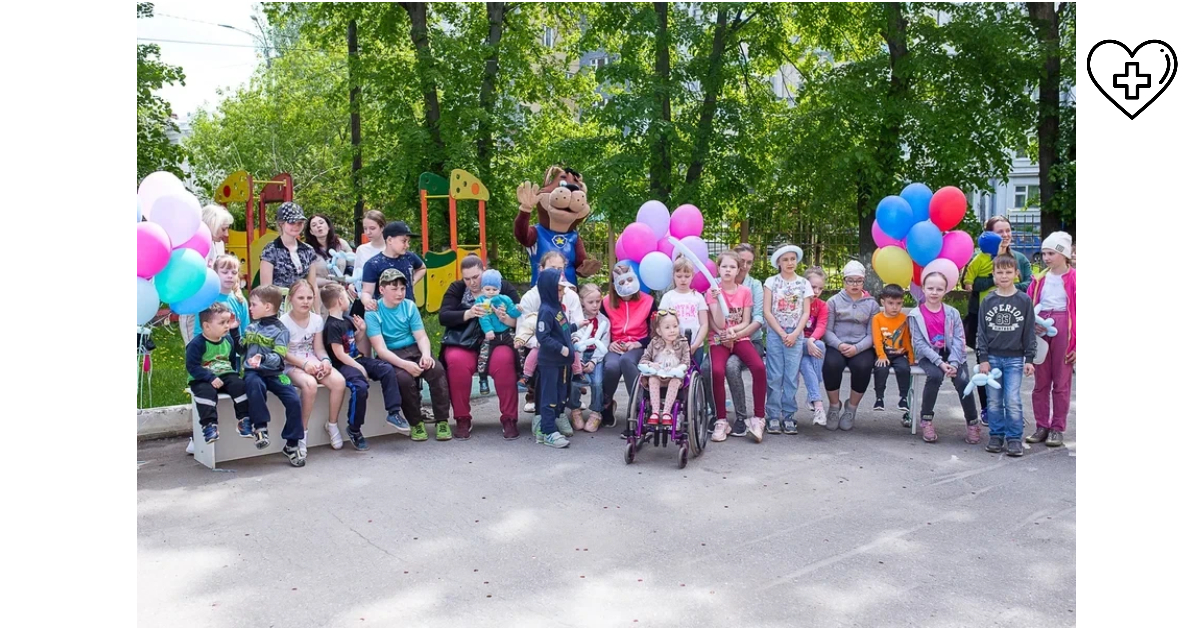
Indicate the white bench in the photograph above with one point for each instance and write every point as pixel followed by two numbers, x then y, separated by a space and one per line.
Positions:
pixel 232 446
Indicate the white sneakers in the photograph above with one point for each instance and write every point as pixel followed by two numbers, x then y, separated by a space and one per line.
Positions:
pixel 335 435
pixel 191 448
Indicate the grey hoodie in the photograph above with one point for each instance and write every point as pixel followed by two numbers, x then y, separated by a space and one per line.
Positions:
pixel 956 339
pixel 850 321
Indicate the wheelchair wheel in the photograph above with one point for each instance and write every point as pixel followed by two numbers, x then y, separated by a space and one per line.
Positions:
pixel 683 457
pixel 630 450
pixel 697 418
pixel 631 412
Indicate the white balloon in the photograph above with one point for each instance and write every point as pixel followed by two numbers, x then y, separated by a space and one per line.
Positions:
pixel 156 184
pixel 178 214
pixel 1043 349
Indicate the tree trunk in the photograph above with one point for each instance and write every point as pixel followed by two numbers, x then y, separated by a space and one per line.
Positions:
pixel 355 131
pixel 1045 24
pixel 873 187
pixel 660 149
pixel 487 92
pixel 712 85
pixel 418 15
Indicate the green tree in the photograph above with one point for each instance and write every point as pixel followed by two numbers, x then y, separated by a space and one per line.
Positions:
pixel 156 151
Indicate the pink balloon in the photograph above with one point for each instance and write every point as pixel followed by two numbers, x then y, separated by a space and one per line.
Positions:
pixel 665 247
pixel 943 266
pixel 201 242
pixel 882 239
pixel 639 240
pixel 620 247
pixel 687 221
pixel 699 281
pixel 153 249
pixel 957 246
pixel 697 246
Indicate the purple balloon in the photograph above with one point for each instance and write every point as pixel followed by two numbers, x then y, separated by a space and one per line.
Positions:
pixel 654 214
pixel 639 240
pixel 178 214
pixel 882 239
pixel 957 247
pixel 153 249
pixel 687 221
pixel 697 246
pixel 156 184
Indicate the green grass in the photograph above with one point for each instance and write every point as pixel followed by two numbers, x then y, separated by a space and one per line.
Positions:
pixel 169 376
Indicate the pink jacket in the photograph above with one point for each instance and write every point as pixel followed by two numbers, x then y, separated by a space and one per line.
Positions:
pixel 1035 293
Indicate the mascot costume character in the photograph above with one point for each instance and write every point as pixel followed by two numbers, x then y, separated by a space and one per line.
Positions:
pixel 561 206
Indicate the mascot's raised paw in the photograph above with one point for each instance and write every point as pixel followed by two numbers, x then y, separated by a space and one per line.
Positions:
pixel 527 196
pixel 588 268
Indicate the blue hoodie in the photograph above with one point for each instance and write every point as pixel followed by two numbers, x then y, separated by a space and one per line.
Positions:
pixel 553 330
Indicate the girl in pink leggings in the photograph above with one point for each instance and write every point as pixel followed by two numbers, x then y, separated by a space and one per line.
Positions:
pixel 1054 290
pixel 730 337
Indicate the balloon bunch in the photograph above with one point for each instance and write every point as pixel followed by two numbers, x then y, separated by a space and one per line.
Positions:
pixel 979 379
pixel 650 245
pixel 172 244
pixel 911 233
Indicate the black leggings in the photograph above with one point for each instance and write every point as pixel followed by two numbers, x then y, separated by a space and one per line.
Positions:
pixel 861 366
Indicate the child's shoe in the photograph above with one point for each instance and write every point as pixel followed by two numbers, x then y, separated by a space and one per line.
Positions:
pixel 593 423
pixel 1038 436
pixel 903 403
pixel 739 428
pixel 789 425
pixel 397 421
pixel 484 388
pixel 927 431
pixel 509 427
pixel 245 430
pixel 756 428
pixel 994 445
pixel 442 432
pixel 879 404
pixel 295 455
pixel 819 415
pixel 835 413
pixel 666 421
pixel 261 439
pixel 846 423
pixel 210 433
pixel 556 440
pixel 335 435
pixel 1014 448
pixel 358 440
pixel 983 416
pixel 653 420
pixel 577 419
pixel 564 425
pixel 973 433
pixel 191 447
pixel 720 430
pixel 774 426
pixel 523 383
pixel 418 432
pixel 1055 439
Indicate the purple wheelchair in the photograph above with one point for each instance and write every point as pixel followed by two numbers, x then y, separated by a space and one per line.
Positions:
pixel 693 412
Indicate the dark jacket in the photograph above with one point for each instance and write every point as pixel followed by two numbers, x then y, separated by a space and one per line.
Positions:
pixel 455 303
pixel 553 329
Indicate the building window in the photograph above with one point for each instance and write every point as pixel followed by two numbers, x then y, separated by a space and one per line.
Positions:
pixel 598 62
pixel 548 37
pixel 1027 196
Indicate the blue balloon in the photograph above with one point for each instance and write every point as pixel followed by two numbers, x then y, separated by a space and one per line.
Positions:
pixel 203 297
pixel 147 301
pixel 924 242
pixel 989 243
pixel 657 271
pixel 918 196
pixel 182 277
pixel 637 270
pixel 894 216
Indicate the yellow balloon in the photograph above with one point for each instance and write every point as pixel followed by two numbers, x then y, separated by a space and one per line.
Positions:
pixel 893 265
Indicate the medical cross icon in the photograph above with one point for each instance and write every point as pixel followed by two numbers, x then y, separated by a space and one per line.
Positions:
pixel 1126 80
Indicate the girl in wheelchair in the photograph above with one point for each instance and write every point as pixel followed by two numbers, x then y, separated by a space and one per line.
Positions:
pixel 665 361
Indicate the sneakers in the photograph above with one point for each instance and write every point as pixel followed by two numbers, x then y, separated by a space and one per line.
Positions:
pixel 878 404
pixel 418 432
pixel 756 428
pixel 244 429
pixel 529 408
pixel 1039 435
pixel 400 423
pixel 210 435
pixel 484 389
pixel 564 425
pixel 593 423
pixel 555 440
pixel 819 416
pixel 835 413
pixel 261 439
pixel 191 447
pixel 510 429
pixel 358 441
pixel 846 423
pixel 774 426
pixel 739 428
pixel 789 426
pixel 462 428
pixel 295 455
pixel 994 445
pixel 335 435
pixel 973 434
pixel 1014 448
pixel 1055 439
pixel 523 383
pixel 903 404
pixel 927 431
pixel 442 432
pixel 983 416
pixel 720 431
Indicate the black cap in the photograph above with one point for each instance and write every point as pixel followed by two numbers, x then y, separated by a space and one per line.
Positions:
pixel 396 228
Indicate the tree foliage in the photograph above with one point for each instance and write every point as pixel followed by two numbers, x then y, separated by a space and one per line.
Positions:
pixel 156 151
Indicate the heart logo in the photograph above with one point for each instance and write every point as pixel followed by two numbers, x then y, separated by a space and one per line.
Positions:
pixel 1132 79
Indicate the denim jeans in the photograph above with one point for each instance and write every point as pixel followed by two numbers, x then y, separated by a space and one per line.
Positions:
pixel 595 387
pixel 1005 415
pixel 783 374
pixel 810 370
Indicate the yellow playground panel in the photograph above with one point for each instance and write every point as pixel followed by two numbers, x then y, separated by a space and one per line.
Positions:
pixel 442 267
pixel 248 245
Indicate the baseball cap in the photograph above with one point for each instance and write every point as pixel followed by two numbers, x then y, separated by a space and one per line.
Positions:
pixel 289 212
pixel 396 228
pixel 391 275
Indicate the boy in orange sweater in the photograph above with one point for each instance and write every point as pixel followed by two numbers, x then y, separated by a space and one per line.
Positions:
pixel 893 345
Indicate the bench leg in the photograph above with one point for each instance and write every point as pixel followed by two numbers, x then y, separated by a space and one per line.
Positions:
pixel 205 452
